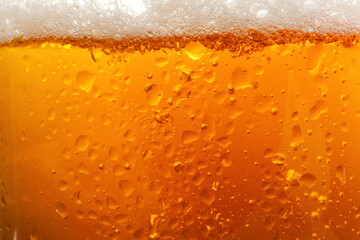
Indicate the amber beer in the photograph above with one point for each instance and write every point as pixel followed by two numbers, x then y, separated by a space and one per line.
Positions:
pixel 252 136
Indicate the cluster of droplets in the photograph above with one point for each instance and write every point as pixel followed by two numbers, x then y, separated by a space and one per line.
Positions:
pixel 193 142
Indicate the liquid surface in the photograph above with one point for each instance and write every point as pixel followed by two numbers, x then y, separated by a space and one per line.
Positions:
pixel 180 143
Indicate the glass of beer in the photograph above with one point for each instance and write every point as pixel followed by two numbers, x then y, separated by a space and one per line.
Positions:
pixel 179 119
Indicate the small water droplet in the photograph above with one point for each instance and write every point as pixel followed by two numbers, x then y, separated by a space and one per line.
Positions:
pixel 207 196
pixel 340 173
pixel 62 185
pixel 189 136
pixel 85 79
pixel 61 209
pixel 111 203
pixel 318 109
pixel 82 143
pixel 126 188
pixel 240 78
pixel 308 180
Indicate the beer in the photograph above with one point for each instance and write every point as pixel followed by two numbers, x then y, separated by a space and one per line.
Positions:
pixel 216 136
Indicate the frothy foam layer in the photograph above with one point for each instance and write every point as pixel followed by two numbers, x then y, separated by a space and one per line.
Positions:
pixel 120 19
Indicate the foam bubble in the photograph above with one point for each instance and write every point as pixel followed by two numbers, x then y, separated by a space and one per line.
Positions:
pixel 144 18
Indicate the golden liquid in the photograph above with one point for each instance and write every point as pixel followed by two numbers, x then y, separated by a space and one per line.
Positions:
pixel 189 142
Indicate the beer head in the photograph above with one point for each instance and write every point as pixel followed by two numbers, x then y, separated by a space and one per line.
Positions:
pixel 120 19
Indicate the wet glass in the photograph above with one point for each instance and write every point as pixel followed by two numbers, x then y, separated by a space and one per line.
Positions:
pixel 179 120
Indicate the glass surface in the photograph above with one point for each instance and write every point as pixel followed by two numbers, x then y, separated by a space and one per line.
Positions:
pixel 226 134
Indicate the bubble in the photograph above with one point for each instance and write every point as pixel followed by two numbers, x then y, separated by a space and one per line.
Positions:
pixel 61 209
pixel 85 80
pixel 308 180
pixel 82 143
pixel 207 196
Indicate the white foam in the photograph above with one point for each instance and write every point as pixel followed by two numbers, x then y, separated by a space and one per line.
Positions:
pixel 143 18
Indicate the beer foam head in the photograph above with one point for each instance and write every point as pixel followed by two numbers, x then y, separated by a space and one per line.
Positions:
pixel 152 18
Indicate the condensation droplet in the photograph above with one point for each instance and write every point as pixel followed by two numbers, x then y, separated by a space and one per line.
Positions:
pixel 51 114
pixel 66 153
pixel 85 79
pixel 126 188
pixel 61 209
pixel 297 134
pixel 111 203
pixel 121 218
pixel 189 136
pixel 340 173
pixel 114 154
pixel 82 143
pixel 308 180
pixel 62 185
pixel 240 78
pixel 318 109
pixel 207 196
pixel 154 93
